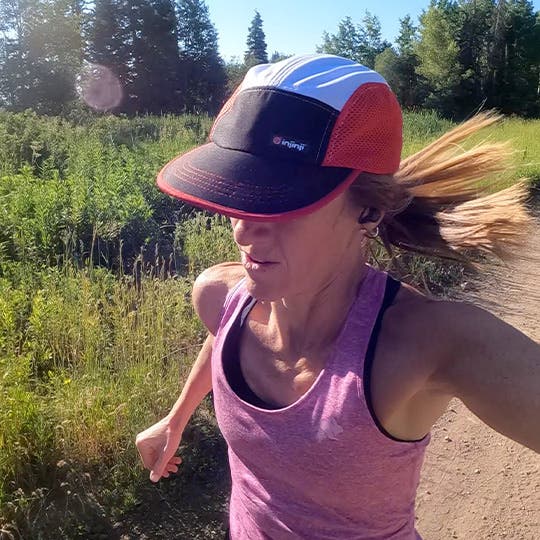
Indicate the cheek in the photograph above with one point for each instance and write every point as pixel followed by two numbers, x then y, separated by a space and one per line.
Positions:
pixel 308 256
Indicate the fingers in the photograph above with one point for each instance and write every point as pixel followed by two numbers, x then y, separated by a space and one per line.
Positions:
pixel 170 468
pixel 163 470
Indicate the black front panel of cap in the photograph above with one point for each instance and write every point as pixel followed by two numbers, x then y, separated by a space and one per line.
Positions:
pixel 278 124
pixel 243 181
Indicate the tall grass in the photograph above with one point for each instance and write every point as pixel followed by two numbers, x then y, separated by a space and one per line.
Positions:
pixel 94 359
pixel 97 331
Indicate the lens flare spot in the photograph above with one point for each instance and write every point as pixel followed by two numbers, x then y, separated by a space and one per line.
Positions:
pixel 99 87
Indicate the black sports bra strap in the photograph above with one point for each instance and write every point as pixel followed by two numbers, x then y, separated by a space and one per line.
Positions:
pixel 392 288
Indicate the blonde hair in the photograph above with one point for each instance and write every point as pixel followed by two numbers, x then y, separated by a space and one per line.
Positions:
pixel 442 200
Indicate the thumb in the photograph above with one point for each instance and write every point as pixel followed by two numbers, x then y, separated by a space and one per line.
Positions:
pixel 161 462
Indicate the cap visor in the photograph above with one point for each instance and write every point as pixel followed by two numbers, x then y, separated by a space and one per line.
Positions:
pixel 243 185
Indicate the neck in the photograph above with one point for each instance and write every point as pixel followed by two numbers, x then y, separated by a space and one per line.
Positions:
pixel 311 321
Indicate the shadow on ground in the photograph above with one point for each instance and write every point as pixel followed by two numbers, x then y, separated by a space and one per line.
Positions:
pixel 191 505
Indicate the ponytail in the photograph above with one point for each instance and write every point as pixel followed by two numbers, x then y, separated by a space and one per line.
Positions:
pixel 443 200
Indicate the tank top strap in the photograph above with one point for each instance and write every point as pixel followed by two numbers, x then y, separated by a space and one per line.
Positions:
pixel 234 302
pixel 352 345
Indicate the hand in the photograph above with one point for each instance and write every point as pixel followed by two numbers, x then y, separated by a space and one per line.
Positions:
pixel 157 446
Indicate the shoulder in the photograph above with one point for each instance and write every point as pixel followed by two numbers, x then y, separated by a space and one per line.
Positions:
pixel 211 289
pixel 433 330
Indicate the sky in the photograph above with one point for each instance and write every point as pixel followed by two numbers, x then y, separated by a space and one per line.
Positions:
pixel 296 26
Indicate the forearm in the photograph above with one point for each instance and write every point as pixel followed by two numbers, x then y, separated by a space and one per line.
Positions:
pixel 197 386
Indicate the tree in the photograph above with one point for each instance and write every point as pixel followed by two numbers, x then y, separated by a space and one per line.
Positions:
pixel 373 42
pixel 11 51
pixel 438 54
pixel 256 43
pixel 42 51
pixel 108 38
pixel 410 87
pixel 361 43
pixel 407 37
pixel 473 38
pixel 235 71
pixel 387 64
pixel 154 51
pixel 514 82
pixel 278 56
pixel 347 41
pixel 202 71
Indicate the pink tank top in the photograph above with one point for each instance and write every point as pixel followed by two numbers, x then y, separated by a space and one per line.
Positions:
pixel 320 468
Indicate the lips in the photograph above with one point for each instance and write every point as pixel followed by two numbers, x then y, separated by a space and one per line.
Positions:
pixel 255 260
pixel 252 262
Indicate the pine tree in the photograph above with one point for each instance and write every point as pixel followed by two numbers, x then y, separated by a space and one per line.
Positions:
pixel 516 88
pixel 278 56
pixel 202 71
pixel 346 42
pixel 410 86
pixel 154 51
pixel 108 40
pixel 387 64
pixel 473 37
pixel 373 42
pixel 361 42
pixel 256 43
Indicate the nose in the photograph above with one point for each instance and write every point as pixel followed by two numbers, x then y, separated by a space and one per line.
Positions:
pixel 247 232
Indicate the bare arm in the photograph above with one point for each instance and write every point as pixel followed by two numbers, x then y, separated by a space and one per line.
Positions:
pixel 197 386
pixel 495 370
pixel 157 445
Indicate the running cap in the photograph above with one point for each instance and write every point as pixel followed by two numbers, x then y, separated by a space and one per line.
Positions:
pixel 292 137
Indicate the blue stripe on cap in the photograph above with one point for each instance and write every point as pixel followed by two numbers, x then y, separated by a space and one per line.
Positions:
pixel 326 78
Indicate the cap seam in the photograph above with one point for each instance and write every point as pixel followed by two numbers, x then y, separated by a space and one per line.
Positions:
pixel 323 138
pixel 307 99
pixel 219 188
pixel 211 176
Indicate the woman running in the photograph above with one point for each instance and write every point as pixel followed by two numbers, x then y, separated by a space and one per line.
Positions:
pixel 328 374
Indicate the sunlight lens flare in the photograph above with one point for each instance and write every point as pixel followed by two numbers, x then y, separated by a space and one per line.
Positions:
pixel 99 87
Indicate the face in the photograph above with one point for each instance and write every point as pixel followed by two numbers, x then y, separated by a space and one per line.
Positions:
pixel 299 256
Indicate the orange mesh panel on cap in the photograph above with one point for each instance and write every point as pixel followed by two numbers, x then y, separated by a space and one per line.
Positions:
pixel 367 134
pixel 224 110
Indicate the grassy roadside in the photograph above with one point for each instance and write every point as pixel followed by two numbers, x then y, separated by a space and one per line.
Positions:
pixel 92 350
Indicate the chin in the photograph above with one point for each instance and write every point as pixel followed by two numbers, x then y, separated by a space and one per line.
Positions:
pixel 264 290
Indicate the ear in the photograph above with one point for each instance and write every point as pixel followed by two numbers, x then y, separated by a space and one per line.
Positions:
pixel 369 221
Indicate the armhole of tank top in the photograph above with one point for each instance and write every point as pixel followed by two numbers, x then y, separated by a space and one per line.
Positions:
pixel 391 289
pixel 231 364
pixel 228 299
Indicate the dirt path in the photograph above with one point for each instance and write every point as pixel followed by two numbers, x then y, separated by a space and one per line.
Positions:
pixel 476 484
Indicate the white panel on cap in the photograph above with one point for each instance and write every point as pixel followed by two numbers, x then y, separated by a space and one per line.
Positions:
pixel 328 78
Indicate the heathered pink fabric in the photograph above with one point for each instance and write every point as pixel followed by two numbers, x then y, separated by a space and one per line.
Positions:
pixel 319 469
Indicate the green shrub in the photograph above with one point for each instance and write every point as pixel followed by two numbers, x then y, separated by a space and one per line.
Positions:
pixel 205 241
